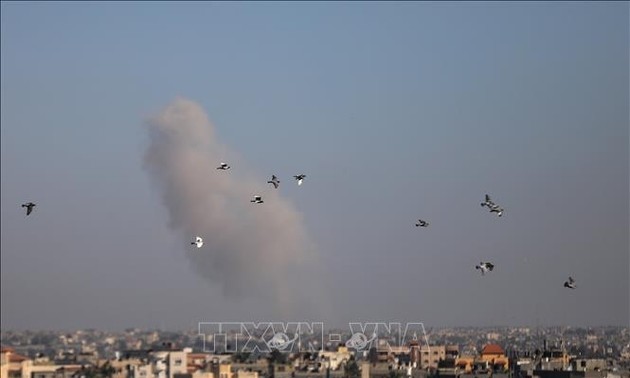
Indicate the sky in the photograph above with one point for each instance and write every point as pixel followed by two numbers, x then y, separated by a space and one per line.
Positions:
pixel 115 116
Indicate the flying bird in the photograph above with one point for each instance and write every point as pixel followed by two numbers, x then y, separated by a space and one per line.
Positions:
pixel 29 207
pixel 570 283
pixel 485 267
pixel 299 178
pixel 274 180
pixel 198 242
pixel 422 223
pixel 257 199
pixel 223 167
pixel 494 208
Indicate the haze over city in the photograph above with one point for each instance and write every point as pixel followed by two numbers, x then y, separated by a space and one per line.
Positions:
pixel 116 115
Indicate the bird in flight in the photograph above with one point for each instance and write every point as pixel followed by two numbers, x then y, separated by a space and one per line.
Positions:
pixel 299 178
pixel 274 180
pixel 198 242
pixel 422 223
pixel 494 208
pixel 29 207
pixel 485 267
pixel 257 199
pixel 570 283
pixel 223 167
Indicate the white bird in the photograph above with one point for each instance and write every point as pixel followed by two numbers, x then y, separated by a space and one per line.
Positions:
pixel 274 180
pixel 570 283
pixel 422 223
pixel 198 242
pixel 223 167
pixel 300 179
pixel 257 199
pixel 485 267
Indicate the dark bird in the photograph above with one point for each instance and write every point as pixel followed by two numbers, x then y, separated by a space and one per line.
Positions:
pixel 29 207
pixel 257 199
pixel 422 223
pixel 223 167
pixel 570 283
pixel 274 180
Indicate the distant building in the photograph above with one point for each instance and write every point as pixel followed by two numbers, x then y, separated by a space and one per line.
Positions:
pixel 337 358
pixel 491 359
pixel 221 371
pixel 465 363
pixel 493 336
pixel 196 361
pixel 494 356
pixel 554 359
pixel 13 365
pixel 589 364
pixel 430 356
pixel 177 363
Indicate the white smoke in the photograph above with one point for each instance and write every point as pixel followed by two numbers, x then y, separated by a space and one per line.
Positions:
pixel 249 249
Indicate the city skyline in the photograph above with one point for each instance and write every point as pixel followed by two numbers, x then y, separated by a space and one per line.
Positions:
pixel 394 112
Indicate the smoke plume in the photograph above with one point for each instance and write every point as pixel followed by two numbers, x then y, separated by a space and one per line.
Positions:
pixel 249 249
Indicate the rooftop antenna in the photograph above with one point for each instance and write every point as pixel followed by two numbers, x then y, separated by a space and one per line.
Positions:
pixel 537 332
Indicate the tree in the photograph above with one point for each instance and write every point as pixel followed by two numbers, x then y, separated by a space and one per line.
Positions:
pixel 351 369
pixel 107 370
pixel 241 357
pixel 275 357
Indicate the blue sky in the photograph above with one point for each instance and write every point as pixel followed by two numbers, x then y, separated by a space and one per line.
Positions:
pixel 395 111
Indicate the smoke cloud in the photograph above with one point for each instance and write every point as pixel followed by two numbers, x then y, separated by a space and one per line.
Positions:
pixel 249 249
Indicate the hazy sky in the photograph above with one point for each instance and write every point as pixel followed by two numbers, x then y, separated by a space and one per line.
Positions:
pixel 394 111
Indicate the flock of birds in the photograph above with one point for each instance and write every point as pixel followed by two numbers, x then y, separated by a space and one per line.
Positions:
pixel 274 181
pixel 484 267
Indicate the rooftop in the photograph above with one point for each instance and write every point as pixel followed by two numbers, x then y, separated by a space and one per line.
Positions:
pixel 492 349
